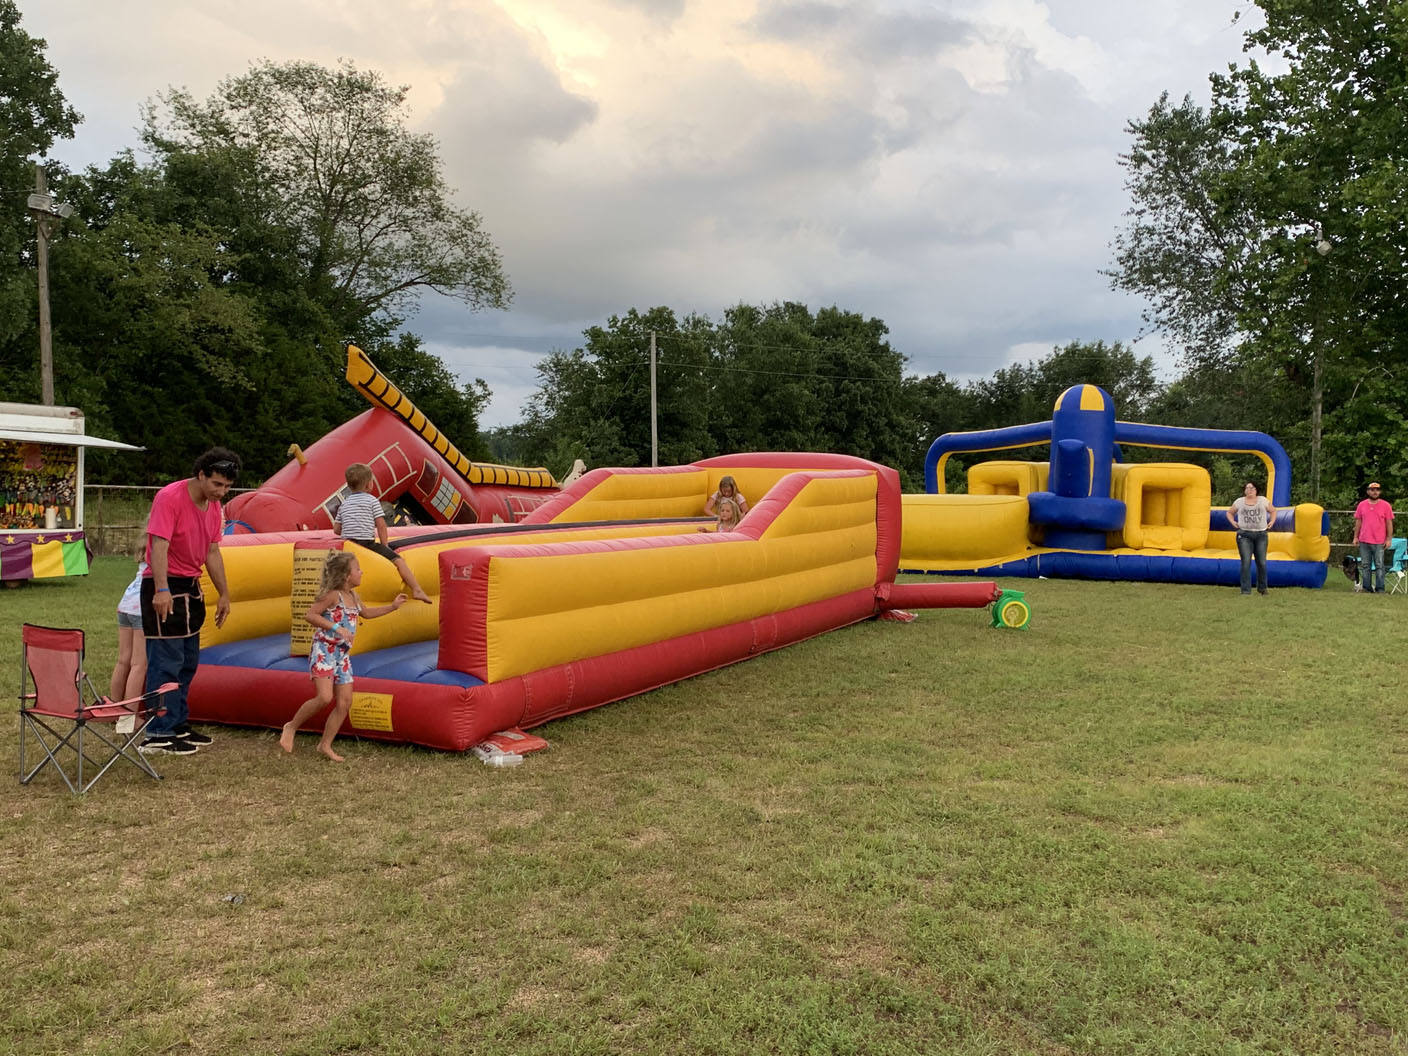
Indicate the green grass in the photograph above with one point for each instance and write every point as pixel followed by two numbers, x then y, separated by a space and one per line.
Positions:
pixel 1163 820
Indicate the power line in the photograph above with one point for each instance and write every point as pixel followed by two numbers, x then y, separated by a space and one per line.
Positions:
pixel 506 341
pixel 774 373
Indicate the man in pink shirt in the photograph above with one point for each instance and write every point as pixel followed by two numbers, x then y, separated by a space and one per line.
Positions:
pixel 183 537
pixel 1373 527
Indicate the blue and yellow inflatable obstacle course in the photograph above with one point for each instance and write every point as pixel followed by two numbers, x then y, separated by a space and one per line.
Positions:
pixel 1087 513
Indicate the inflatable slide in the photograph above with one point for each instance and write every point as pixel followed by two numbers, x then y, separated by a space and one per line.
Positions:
pixel 417 470
pixel 1088 513
pixel 606 590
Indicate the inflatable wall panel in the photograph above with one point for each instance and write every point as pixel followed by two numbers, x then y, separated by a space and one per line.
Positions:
pixel 953 531
pixel 1166 505
pixel 1007 478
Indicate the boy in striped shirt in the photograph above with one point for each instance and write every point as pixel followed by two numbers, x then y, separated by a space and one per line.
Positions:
pixel 360 520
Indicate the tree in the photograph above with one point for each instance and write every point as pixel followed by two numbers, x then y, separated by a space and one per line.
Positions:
pixel 593 402
pixel 1322 148
pixel 765 378
pixel 1276 227
pixel 1181 245
pixel 1027 392
pixel 794 380
pixel 33 114
pixel 317 179
pixel 935 405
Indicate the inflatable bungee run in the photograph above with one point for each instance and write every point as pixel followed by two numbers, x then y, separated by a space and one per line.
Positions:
pixel 1087 513
pixel 605 590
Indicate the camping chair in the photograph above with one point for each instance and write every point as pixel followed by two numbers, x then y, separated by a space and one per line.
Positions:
pixel 1397 574
pixel 53 659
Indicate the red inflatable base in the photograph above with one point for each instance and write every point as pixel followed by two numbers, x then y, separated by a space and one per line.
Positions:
pixel 456 719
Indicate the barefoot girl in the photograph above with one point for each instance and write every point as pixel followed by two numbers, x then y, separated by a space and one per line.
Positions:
pixel 334 615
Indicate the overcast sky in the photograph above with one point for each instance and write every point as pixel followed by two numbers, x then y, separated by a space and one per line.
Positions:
pixel 950 167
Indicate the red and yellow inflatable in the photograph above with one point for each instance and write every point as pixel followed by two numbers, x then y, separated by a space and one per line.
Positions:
pixel 605 590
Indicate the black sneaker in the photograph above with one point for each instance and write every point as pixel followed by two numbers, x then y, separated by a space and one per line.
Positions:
pixel 166 745
pixel 190 736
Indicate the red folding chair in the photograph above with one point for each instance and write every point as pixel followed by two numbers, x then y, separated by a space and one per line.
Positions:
pixel 53 659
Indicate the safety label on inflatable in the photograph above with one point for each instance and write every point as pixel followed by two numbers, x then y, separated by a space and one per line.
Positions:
pixel 371 711
pixel 308 561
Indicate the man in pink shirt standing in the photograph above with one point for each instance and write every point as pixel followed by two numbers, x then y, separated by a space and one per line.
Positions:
pixel 1373 527
pixel 183 537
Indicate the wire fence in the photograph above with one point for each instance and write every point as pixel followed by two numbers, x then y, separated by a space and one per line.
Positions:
pixel 115 516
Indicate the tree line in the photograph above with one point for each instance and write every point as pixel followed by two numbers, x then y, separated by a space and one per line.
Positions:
pixel 782 377
pixel 209 288
pixel 211 276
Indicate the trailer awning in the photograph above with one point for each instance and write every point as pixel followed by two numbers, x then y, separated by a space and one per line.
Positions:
pixel 30 436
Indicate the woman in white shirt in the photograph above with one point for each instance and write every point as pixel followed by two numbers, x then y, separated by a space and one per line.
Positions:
pixel 1252 516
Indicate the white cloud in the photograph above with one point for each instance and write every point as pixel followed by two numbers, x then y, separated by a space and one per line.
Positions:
pixel 952 171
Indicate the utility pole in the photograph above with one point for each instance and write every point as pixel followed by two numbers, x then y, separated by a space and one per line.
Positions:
pixel 46 336
pixel 47 213
pixel 654 431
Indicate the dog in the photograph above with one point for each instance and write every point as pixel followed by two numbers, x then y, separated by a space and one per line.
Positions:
pixel 1350 567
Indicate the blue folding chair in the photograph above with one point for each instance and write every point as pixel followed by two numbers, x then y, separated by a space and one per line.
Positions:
pixel 1397 574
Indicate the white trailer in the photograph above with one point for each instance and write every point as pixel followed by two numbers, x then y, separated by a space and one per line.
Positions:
pixel 41 490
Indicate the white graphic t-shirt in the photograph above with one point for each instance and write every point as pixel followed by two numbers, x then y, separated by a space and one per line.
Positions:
pixel 1251 517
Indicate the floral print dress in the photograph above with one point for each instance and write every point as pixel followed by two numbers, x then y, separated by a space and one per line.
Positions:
pixel 331 654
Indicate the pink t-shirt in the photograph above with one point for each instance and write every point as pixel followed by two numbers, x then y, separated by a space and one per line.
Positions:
pixel 190 530
pixel 1375 521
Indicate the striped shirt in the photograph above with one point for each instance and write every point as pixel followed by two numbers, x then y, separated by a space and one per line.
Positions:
pixel 357 515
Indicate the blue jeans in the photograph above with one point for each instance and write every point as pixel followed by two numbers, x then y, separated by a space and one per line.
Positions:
pixel 1249 544
pixel 1371 558
pixel 171 660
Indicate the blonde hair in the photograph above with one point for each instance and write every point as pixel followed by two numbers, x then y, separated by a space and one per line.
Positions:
pixel 335 571
pixel 359 475
pixel 731 504
pixel 731 483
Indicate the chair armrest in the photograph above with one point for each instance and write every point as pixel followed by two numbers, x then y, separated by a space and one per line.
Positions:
pixel 164 688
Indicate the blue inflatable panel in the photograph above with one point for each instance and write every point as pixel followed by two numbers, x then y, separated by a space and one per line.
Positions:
pixel 1285 521
pixel 1145 568
pixel 1100 515
pixel 413 662
pixel 268 652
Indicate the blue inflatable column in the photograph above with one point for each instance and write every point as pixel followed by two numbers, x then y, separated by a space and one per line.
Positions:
pixel 1078 511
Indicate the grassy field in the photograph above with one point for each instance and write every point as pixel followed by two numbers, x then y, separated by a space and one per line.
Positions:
pixel 1163 820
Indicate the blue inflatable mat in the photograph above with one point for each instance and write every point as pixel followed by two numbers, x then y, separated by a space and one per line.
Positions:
pixel 413 662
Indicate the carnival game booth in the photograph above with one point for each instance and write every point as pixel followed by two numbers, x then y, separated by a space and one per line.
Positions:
pixel 1087 513
pixel 605 591
pixel 41 490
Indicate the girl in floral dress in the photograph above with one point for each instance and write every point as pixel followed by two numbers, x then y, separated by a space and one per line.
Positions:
pixel 335 615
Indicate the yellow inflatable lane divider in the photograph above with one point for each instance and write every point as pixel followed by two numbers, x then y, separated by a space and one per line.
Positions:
pixel 378 390
pixel 638 495
pixel 261 580
pixel 943 532
pixel 545 607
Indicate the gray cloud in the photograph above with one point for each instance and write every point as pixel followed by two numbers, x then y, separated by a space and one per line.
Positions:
pixel 865 32
pixel 665 10
pixel 952 172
